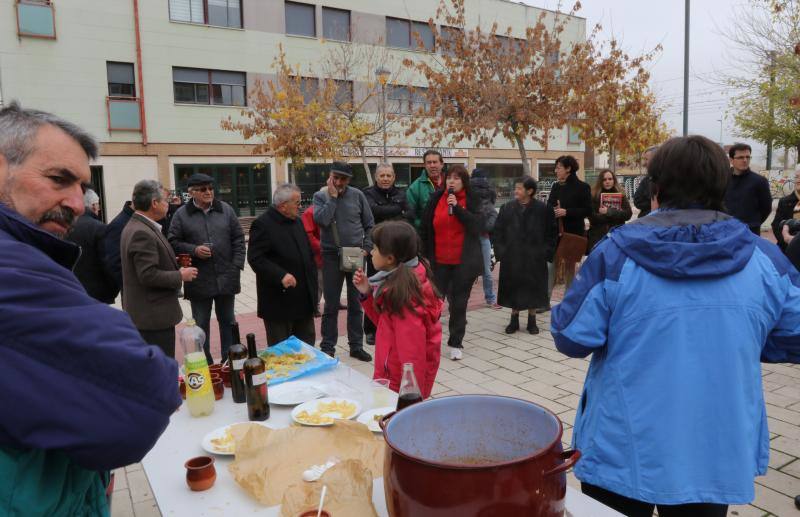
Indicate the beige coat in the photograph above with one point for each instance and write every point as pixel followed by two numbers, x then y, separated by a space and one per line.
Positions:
pixel 150 277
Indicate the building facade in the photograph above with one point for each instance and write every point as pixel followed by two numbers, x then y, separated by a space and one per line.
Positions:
pixel 153 79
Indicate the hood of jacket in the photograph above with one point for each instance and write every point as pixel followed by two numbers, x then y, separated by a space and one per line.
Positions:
pixel 688 243
pixel 433 304
pixel 61 251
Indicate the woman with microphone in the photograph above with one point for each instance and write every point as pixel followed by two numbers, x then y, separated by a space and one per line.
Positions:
pixel 450 232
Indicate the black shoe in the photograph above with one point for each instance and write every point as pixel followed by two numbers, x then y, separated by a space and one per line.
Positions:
pixel 532 328
pixel 797 501
pixel 513 325
pixel 331 353
pixel 361 355
pixel 370 338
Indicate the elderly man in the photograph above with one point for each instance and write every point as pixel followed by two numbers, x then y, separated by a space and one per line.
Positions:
pixel 286 276
pixel 151 278
pixel 209 231
pixel 420 190
pixel 90 395
pixel 92 267
pixel 345 220
pixel 678 310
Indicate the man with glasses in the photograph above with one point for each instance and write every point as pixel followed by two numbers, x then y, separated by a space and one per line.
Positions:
pixel 208 230
pixel 747 197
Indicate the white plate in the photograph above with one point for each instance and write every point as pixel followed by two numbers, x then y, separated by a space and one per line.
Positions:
pixel 367 419
pixel 294 393
pixel 217 434
pixel 311 407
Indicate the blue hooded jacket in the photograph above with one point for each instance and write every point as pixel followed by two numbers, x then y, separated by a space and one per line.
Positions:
pixel 81 392
pixel 677 310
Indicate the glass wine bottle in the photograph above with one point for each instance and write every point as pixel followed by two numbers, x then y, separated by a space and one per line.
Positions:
pixel 255 379
pixel 237 355
pixel 409 389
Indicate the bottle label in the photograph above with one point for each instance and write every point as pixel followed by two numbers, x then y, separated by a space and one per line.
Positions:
pixel 238 364
pixel 259 379
pixel 198 378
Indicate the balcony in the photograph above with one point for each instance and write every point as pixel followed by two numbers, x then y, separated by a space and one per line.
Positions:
pixel 123 114
pixel 36 19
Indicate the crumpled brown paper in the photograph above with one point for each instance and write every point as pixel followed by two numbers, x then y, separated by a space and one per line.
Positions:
pixel 269 461
pixel 349 493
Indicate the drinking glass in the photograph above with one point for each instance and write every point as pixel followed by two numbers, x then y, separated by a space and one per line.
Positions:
pixel 382 396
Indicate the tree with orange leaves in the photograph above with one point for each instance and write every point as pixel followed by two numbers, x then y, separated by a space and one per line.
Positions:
pixel 289 125
pixel 483 85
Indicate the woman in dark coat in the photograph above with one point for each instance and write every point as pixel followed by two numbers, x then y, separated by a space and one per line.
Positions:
pixel 450 231
pixel 524 241
pixel 605 218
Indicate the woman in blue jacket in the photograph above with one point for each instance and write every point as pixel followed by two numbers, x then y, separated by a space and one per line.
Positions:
pixel 678 310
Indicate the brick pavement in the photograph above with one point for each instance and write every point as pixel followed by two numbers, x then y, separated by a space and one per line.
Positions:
pixel 530 368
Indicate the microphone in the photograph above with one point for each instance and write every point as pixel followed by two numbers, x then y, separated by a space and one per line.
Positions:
pixel 450 192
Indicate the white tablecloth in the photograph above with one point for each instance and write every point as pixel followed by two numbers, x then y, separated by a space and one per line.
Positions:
pixel 181 441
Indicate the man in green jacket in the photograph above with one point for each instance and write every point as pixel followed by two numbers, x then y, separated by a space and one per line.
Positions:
pixel 420 190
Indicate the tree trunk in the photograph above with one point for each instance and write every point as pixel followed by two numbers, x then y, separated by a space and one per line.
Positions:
pixel 613 158
pixel 362 150
pixel 526 165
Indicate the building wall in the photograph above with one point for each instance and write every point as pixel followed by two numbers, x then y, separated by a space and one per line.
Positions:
pixel 68 75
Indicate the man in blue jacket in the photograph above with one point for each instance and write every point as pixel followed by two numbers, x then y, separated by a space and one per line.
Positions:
pixel 82 393
pixel 678 310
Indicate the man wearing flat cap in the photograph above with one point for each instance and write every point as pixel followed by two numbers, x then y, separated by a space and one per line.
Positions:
pixel 208 230
pixel 345 220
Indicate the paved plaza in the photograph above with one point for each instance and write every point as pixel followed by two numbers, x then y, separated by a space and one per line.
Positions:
pixel 530 368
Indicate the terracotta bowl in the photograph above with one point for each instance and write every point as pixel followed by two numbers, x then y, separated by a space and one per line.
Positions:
pixel 200 473
pixel 182 388
pixel 226 376
pixel 215 369
pixel 219 388
pixel 313 513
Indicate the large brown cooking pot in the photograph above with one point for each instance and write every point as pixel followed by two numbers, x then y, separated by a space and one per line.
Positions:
pixel 475 455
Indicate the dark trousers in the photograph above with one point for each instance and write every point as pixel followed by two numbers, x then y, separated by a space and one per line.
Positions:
pixel 302 329
pixel 332 279
pixel 163 339
pixel 223 307
pixel 457 290
pixel 634 508
pixel 369 326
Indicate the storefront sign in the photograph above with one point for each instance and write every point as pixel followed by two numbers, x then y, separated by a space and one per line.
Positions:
pixel 405 152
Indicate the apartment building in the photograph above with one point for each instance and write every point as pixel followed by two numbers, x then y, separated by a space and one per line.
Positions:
pixel 152 79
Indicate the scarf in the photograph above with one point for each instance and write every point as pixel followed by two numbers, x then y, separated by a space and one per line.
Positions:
pixel 376 281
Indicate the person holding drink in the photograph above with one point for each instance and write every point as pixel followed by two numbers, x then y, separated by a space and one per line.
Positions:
pixel 404 305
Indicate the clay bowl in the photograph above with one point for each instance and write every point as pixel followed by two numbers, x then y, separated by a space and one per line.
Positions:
pixel 215 369
pixel 226 376
pixel 219 388
pixel 200 473
pixel 313 513
pixel 182 388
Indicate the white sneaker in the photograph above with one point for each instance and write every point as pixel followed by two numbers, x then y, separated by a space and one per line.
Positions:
pixel 456 354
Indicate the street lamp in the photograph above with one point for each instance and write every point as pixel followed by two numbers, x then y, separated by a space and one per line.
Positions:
pixel 383 77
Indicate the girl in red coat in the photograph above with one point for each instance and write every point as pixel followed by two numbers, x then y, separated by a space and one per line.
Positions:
pixel 404 305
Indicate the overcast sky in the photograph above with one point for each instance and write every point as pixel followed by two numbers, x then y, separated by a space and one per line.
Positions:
pixel 641 25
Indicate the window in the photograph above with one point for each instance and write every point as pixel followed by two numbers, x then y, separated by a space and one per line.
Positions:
pixel 198 86
pixel 335 24
pixel 301 20
pixel 246 187
pixel 344 93
pixel 309 86
pixel 403 100
pixel 501 177
pixel 407 34
pixel 449 37
pixel 120 79
pixel 36 18
pixel 221 13
pixel 314 175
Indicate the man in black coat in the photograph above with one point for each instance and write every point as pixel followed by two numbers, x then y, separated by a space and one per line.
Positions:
pixel 788 208
pixel 747 197
pixel 286 275
pixel 92 271
pixel 387 203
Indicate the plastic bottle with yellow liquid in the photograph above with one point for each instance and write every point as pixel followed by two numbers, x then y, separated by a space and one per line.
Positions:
pixel 199 392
